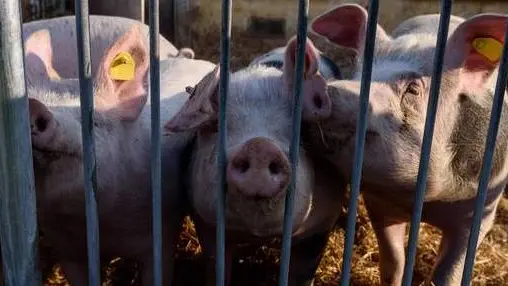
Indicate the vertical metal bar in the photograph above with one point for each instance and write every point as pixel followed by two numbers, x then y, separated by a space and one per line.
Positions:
pixel 294 149
pixel 63 7
pixel 89 161
pixel 428 133
pixel 153 19
pixel 490 144
pixel 35 10
pixel 142 11
pixel 42 6
pixel 368 57
pixel 225 39
pixel 18 218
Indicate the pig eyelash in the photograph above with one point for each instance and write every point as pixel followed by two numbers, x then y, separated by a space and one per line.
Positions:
pixel 410 88
pixel 410 85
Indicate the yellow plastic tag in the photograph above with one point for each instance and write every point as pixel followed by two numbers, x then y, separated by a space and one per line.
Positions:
pixel 122 67
pixel 489 48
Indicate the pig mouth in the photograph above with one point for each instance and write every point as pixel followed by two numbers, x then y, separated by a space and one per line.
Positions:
pixel 334 142
pixel 260 203
pixel 54 154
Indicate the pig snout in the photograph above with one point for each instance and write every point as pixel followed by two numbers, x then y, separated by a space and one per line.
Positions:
pixel 258 169
pixel 42 123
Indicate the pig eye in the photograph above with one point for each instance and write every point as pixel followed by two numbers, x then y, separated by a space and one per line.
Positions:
pixel 413 88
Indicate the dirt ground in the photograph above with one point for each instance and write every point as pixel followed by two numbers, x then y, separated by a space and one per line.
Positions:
pixel 261 266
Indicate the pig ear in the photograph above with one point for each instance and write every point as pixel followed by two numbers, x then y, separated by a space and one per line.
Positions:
pixel 476 48
pixel 39 56
pixel 42 123
pixel 126 95
pixel 345 26
pixel 311 59
pixel 317 103
pixel 201 107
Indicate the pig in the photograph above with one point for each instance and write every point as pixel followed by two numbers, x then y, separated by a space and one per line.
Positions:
pixel 258 169
pixel 104 30
pixel 122 140
pixel 399 91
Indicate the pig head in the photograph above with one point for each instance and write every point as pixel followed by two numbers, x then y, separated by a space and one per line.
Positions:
pixel 258 169
pixel 399 92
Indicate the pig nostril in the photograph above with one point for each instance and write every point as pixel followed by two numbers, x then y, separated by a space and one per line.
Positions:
pixel 41 124
pixel 242 165
pixel 317 101
pixel 274 168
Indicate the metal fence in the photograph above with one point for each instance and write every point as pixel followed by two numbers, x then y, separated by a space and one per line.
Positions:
pixel 18 232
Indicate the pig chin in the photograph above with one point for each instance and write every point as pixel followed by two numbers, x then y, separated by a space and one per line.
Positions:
pixel 265 217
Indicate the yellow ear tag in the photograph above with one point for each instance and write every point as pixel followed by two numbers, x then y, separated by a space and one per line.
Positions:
pixel 122 67
pixel 489 48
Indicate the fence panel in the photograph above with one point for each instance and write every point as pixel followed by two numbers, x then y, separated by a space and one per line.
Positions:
pixel 18 232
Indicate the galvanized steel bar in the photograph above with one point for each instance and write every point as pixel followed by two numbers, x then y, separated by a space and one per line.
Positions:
pixel 18 217
pixel 490 144
pixel 421 181
pixel 89 161
pixel 294 149
pixel 368 57
pixel 142 8
pixel 225 39
pixel 155 169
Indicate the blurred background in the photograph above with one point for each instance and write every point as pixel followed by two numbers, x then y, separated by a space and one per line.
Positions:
pixel 259 26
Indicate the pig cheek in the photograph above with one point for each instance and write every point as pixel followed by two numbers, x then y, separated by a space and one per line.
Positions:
pixel 57 175
pixel 203 184
pixel 304 190
pixel 316 102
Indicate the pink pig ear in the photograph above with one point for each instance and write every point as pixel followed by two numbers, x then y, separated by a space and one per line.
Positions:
pixel 476 66
pixel 316 102
pixel 39 56
pixel 311 60
pixel 126 97
pixel 345 26
pixel 200 108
